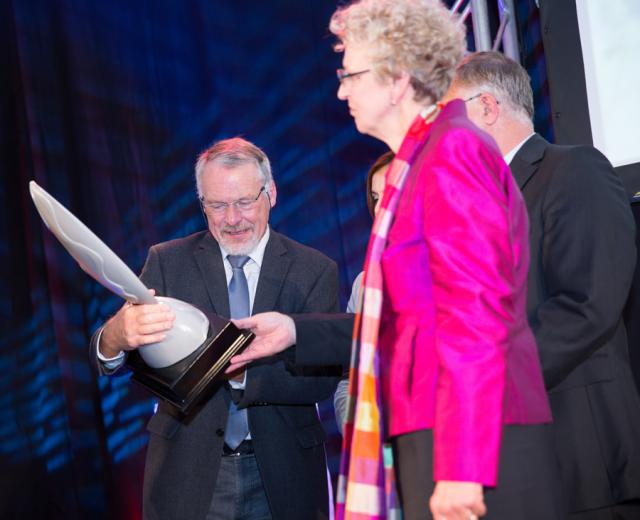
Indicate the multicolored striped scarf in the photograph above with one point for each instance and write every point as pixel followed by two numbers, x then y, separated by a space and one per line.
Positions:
pixel 366 487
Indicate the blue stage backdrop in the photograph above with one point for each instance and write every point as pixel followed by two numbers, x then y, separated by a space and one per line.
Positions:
pixel 106 105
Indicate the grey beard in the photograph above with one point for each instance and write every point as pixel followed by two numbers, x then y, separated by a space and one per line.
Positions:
pixel 240 249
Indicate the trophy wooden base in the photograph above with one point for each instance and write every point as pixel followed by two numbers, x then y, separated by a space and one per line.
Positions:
pixel 186 382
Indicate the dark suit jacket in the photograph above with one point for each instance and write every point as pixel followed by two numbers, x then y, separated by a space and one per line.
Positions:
pixel 184 453
pixel 323 339
pixel 632 308
pixel 582 260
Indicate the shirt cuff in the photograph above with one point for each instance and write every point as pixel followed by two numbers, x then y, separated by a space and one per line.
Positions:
pixel 109 363
pixel 239 385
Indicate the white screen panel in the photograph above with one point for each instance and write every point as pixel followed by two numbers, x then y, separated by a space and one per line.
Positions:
pixel 610 39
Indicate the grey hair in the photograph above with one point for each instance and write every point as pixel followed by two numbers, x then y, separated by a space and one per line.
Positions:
pixel 419 37
pixel 230 153
pixel 507 80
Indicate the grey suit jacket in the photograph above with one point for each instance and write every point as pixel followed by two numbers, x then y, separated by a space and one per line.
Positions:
pixel 582 260
pixel 184 453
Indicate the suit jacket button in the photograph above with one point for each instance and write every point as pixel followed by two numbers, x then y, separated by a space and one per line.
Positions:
pixel 220 432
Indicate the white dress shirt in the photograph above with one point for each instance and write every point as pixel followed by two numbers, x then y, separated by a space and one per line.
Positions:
pixel 252 272
pixel 508 157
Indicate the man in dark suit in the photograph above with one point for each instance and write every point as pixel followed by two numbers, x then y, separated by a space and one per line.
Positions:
pixel 582 260
pixel 193 469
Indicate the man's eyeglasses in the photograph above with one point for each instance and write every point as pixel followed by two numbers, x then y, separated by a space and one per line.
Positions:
pixel 476 96
pixel 240 204
pixel 343 74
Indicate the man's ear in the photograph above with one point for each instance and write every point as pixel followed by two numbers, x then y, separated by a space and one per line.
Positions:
pixel 273 194
pixel 490 109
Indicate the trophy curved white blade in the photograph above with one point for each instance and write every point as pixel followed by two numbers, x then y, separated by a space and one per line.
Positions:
pixel 93 255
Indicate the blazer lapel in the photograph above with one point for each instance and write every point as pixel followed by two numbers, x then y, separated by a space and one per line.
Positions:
pixel 209 260
pixel 526 161
pixel 273 272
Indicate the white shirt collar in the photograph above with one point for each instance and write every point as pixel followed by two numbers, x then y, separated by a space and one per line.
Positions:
pixel 508 157
pixel 258 252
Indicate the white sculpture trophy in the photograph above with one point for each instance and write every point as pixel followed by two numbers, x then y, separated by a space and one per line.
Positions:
pixel 182 368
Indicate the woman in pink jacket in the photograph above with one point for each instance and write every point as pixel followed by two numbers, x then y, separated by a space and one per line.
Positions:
pixel 444 362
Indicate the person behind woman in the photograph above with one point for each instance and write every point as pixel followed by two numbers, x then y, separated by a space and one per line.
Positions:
pixel 446 366
pixel 374 190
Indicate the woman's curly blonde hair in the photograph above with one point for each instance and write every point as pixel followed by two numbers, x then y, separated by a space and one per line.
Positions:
pixel 420 37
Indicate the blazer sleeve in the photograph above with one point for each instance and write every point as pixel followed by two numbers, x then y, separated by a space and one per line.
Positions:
pixel 587 259
pixel 467 229
pixel 323 339
pixel 280 381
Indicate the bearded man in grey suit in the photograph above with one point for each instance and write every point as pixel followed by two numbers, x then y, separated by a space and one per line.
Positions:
pixel 582 260
pixel 276 468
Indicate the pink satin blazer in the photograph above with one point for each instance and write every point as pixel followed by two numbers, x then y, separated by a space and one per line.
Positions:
pixel 456 352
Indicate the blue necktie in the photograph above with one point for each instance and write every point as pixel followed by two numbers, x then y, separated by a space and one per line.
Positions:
pixel 237 424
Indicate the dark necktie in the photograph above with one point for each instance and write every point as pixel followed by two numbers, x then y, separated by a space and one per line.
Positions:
pixel 237 425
